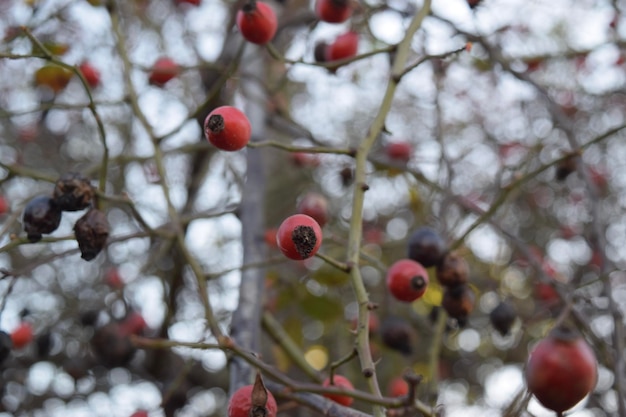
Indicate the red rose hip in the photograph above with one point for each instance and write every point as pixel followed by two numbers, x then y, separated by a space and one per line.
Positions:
pixel 91 75
pixel 163 70
pixel 257 22
pixel 561 370
pixel 22 335
pixel 345 46
pixel 333 11
pixel 339 381
pixel 407 280
pixel 299 237
pixel 240 404
pixel 227 128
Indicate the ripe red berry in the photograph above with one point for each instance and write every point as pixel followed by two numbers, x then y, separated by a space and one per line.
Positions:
pixel 399 151
pixel 140 413
pixel 344 46
pixel 299 237
pixel 398 387
pixel 91 75
pixel 227 128
pixel 257 22
pixel 163 70
pixel 240 403
pixel 427 247
pixel 561 370
pixel 407 280
pixel 333 11
pixel 314 205
pixel 22 335
pixel 340 382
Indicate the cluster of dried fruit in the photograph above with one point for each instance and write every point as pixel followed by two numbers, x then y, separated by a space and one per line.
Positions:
pixel 72 192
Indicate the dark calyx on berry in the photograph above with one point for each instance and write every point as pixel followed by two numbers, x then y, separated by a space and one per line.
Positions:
pixel 304 239
pixel 73 192
pixel 418 283
pixel 41 216
pixel 91 231
pixel 216 123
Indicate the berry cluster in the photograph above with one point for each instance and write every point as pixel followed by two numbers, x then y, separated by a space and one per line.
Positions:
pixel 427 247
pixel 72 192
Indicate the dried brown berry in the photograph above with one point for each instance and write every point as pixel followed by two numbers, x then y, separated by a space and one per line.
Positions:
pixel 502 317
pixel 91 231
pixel 41 216
pixel 453 271
pixel 458 302
pixel 398 334
pixel 73 192
pixel 427 247
pixel 112 345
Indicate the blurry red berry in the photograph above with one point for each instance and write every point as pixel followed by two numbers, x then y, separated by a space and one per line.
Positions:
pixel 91 75
pixel 314 205
pixel 561 370
pixel 4 206
pixel 303 159
pixel 340 382
pixel 398 387
pixel 22 335
pixel 257 22
pixel 227 128
pixel 113 278
pixel 163 70
pixel 344 46
pixel 191 2
pixel 333 11
pixel 399 151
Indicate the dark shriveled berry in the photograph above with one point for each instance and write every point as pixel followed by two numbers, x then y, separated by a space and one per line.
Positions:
pixel 73 192
pixel 427 247
pixel 502 317
pixel 453 271
pixel 91 231
pixel 41 216
pixel 398 334
pixel 112 345
pixel 6 344
pixel 458 302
